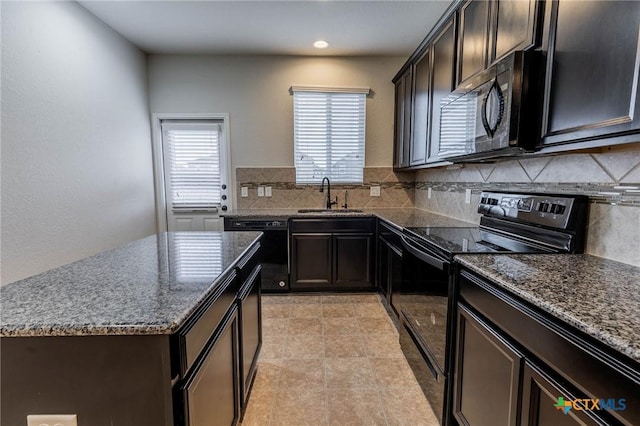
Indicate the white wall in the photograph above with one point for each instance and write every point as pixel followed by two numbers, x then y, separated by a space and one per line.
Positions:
pixel 76 153
pixel 254 91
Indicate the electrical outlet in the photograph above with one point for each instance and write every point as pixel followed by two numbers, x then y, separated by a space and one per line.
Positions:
pixel 467 196
pixel 374 191
pixel 429 193
pixel 244 192
pixel 52 420
pixel 267 191
pixel 261 191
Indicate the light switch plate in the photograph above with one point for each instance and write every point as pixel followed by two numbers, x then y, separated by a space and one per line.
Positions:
pixel 52 420
pixel 261 191
pixel 374 191
pixel 429 193
pixel 244 191
pixel 267 191
pixel 467 196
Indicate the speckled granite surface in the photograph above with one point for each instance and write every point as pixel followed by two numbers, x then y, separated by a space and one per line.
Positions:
pixel 598 296
pixel 149 286
pixel 398 217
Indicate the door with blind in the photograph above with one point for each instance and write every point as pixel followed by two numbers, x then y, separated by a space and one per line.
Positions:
pixel 196 174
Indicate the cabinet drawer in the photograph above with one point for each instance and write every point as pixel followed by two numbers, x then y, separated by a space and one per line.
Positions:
pixel 248 263
pixel 194 335
pixel 209 394
pixel 333 225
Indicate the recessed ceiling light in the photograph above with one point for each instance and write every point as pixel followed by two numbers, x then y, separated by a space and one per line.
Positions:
pixel 320 44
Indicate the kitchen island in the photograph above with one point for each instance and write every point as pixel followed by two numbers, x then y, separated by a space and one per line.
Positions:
pixel 126 336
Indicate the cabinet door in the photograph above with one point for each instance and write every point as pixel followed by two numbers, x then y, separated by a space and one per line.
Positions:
pixel 402 129
pixel 474 34
pixel 211 393
pixel 540 400
pixel 398 125
pixel 384 259
pixel 352 259
pixel 250 331
pixel 311 261
pixel 592 89
pixel 395 276
pixel 515 26
pixel 442 83
pixel 421 97
pixel 487 374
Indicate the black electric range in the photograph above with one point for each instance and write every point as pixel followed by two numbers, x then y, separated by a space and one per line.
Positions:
pixel 510 223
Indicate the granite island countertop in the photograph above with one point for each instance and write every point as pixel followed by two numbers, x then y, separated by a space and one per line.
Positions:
pixel 597 296
pixel 399 217
pixel 149 286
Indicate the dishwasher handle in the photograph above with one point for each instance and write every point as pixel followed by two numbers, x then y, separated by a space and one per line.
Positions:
pixel 424 256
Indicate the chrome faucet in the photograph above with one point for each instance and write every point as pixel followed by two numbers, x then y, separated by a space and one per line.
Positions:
pixel 329 202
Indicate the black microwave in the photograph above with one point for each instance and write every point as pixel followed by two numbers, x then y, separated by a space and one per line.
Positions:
pixel 494 114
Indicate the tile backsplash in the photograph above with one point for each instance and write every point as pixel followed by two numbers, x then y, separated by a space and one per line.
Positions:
pixel 611 180
pixel 396 189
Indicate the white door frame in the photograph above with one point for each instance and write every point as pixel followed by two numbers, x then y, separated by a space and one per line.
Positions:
pixel 158 163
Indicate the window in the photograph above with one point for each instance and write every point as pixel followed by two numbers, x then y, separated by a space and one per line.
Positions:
pixel 193 163
pixel 329 135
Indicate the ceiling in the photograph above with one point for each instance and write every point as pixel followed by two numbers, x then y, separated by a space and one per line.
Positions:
pixel 352 28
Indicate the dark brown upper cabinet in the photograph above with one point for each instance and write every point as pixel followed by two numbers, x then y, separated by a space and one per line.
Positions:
pixel 473 38
pixel 591 81
pixel 431 77
pixel 442 83
pixel 490 30
pixel 402 124
pixel 514 28
pixel 421 98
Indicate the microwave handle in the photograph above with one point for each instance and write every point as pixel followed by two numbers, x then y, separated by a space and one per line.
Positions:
pixel 421 255
pixel 491 130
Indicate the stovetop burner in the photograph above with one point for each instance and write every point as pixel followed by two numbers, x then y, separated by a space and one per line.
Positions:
pixel 454 240
pixel 514 223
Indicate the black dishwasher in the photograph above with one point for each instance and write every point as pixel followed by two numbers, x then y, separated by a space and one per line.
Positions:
pixel 275 257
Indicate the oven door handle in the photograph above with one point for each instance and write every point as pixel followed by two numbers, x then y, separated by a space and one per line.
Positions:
pixel 425 257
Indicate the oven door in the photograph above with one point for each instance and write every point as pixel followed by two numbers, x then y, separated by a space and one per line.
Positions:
pixel 424 307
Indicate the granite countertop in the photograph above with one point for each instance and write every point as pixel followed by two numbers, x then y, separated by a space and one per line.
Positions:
pixel 401 218
pixel 597 296
pixel 149 286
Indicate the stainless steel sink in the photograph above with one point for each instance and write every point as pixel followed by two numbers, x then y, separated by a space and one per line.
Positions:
pixel 329 211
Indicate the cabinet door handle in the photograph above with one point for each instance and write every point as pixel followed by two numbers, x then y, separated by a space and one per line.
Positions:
pixel 493 103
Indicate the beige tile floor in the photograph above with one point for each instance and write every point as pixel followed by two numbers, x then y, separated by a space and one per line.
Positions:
pixel 333 360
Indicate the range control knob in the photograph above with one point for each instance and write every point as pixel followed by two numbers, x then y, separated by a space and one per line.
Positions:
pixel 282 284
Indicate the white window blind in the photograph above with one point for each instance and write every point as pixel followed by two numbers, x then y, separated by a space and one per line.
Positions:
pixel 329 136
pixel 193 156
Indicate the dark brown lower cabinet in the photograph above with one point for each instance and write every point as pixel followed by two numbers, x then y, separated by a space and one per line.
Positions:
pixel 211 391
pixel 352 260
pixel 250 331
pixel 332 254
pixel 540 395
pixel 487 374
pixel 513 363
pixel 311 265
pixel 389 263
